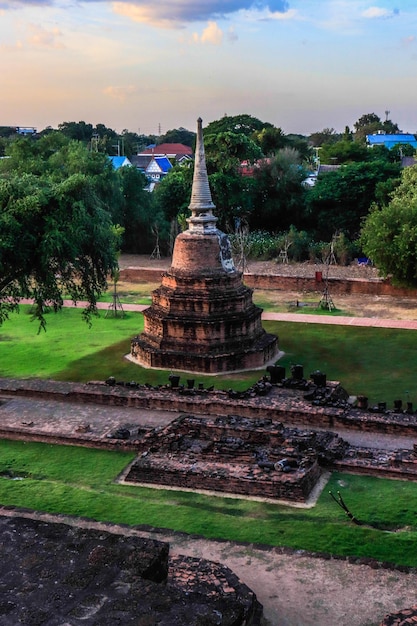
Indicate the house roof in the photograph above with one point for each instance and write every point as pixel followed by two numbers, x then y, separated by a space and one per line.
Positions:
pixel 168 149
pixel 164 163
pixel 323 169
pixel 119 161
pixel 141 161
pixel 408 161
pixel 389 141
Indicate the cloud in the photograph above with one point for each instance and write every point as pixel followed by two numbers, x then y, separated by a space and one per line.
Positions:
pixel 169 13
pixel 231 34
pixel 212 34
pixel 120 93
pixel 42 38
pixel 409 41
pixel 265 14
pixel 18 4
pixel 379 12
pixel 174 13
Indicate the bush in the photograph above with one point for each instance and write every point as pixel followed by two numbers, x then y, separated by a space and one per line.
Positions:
pixel 299 245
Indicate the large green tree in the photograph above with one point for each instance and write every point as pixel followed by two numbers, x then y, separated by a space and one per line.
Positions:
pixel 179 135
pixel 343 151
pixel 138 214
pixel 243 124
pixel 225 151
pixel 371 123
pixel 55 238
pixel 58 204
pixel 340 199
pixel 279 201
pixel 323 137
pixel 389 233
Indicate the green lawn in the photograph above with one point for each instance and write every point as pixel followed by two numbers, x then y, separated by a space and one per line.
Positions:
pixel 78 481
pixel 377 362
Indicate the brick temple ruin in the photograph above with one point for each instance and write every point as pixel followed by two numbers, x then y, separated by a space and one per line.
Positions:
pixel 202 317
pixel 236 455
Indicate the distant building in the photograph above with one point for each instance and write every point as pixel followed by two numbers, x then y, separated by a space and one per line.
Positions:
pixel 408 161
pixel 141 161
pixel 155 161
pixel 389 141
pixel 177 153
pixel 26 131
pixel 311 179
pixel 157 168
pixel 119 161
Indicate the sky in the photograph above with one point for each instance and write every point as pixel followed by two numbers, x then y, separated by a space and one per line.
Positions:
pixel 153 65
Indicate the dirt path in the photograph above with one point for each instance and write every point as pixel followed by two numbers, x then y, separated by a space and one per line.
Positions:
pixel 298 590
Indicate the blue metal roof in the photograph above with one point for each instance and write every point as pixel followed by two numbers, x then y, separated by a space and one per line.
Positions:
pixel 164 163
pixel 389 141
pixel 119 161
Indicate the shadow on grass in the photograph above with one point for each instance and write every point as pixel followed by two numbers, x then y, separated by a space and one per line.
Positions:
pixel 111 361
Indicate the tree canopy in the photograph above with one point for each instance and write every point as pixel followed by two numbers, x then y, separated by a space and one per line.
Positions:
pixel 55 238
pixel 225 151
pixel 243 124
pixel 371 123
pixel 57 234
pixel 389 232
pixel 340 199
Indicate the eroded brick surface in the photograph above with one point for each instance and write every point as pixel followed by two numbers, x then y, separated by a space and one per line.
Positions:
pixel 55 574
pixel 236 455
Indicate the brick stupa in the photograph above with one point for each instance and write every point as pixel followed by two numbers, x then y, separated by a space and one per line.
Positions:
pixel 202 317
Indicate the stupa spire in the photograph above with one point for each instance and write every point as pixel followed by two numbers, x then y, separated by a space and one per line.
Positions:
pixel 201 206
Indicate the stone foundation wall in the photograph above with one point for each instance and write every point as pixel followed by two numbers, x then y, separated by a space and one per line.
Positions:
pixel 218 478
pixel 255 458
pixel 281 405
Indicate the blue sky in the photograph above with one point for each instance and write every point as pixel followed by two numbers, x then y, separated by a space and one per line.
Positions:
pixel 303 65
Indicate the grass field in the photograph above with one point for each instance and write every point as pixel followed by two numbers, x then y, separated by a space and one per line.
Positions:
pixel 78 481
pixel 379 363
pixel 376 362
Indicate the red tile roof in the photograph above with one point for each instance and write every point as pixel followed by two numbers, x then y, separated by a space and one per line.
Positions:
pixel 169 148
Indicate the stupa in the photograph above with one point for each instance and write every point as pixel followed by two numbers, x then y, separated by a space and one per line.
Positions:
pixel 202 317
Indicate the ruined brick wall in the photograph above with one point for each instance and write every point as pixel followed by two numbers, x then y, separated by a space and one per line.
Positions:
pixel 405 617
pixel 377 287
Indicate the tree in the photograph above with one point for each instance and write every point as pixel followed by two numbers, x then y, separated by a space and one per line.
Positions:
pixel 270 140
pixel 225 151
pixel 280 195
pixel 138 214
pixel 58 205
pixel 343 151
pixel 340 199
pixel 179 135
pixel 55 238
pixel 325 136
pixel 370 123
pixel 243 124
pixel 389 233
pixel 76 130
pixel 172 195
